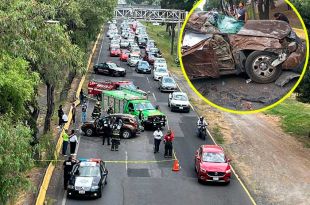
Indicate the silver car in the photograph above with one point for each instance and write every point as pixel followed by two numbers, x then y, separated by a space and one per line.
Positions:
pixel 167 83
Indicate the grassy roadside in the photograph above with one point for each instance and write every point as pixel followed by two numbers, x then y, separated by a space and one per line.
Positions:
pixel 295 119
pixel 163 41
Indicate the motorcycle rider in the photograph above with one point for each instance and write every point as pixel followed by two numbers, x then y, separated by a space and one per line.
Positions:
pixel 97 110
pixel 201 124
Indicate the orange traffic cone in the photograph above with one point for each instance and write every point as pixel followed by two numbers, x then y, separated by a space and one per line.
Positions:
pixel 176 166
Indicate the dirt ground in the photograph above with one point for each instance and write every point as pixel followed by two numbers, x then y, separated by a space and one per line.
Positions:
pixel 273 165
pixel 235 93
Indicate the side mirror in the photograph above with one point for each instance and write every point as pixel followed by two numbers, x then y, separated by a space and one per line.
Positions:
pixel 157 107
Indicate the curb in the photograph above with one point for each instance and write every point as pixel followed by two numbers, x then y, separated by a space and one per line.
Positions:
pixel 49 171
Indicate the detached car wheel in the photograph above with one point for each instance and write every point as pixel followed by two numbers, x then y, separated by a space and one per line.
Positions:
pixel 126 134
pixel 258 67
pixel 89 132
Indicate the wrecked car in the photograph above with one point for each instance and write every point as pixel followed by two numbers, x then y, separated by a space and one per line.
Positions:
pixel 215 45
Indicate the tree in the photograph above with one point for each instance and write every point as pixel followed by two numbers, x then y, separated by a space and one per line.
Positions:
pixel 15 158
pixel 17 85
pixel 263 9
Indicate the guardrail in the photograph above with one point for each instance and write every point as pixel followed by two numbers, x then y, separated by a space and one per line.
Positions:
pixel 49 171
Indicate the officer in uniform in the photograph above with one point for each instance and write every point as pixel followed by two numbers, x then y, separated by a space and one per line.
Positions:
pixel 116 131
pixel 68 165
pixel 97 110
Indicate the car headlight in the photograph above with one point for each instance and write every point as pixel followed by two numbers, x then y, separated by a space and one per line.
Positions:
pixel 203 170
pixel 95 187
pixel 228 171
pixel 70 186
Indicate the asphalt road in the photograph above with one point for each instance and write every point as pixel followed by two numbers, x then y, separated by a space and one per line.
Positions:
pixel 154 183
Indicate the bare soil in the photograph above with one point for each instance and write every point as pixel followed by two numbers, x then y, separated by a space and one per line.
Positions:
pixel 273 165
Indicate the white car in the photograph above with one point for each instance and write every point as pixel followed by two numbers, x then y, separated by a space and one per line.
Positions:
pixel 124 43
pixel 111 34
pixel 179 101
pixel 159 72
pixel 160 62
pixel 133 60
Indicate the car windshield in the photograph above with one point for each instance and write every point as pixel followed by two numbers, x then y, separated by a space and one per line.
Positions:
pixel 115 47
pixel 215 157
pixel 168 80
pixel 180 97
pixel 112 65
pixel 144 106
pixel 160 61
pixel 88 171
pixel 124 41
pixel 114 41
pixel 161 70
pixel 134 58
pixel 144 64
pixel 154 50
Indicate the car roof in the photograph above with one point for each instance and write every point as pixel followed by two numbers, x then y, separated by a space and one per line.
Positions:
pixel 179 93
pixel 212 148
pixel 123 115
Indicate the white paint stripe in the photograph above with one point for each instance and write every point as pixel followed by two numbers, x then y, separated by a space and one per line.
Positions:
pixel 147 78
pixel 168 124
pixel 100 49
pixel 78 145
pixel 154 97
pixel 64 198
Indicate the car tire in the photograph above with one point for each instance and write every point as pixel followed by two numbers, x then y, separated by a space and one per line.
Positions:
pixel 258 67
pixel 89 132
pixel 126 134
pixel 227 183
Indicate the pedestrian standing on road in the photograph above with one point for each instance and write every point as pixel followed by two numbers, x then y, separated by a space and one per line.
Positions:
pixel 68 165
pixel 65 142
pixel 82 96
pixel 60 114
pixel 64 119
pixel 84 112
pixel 73 112
pixel 157 139
pixel 107 131
pixel 168 139
pixel 73 142
pixel 241 12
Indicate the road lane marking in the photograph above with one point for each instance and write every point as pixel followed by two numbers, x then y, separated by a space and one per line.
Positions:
pixel 100 49
pixel 168 124
pixel 147 78
pixel 64 198
pixel 154 97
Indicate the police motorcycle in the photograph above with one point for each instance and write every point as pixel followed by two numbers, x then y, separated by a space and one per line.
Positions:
pixel 201 128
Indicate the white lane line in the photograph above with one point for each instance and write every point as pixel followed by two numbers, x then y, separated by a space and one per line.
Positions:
pixel 154 97
pixel 147 78
pixel 64 198
pixel 100 49
pixel 126 157
pixel 168 124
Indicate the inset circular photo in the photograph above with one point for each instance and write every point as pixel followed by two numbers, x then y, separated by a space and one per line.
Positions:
pixel 243 56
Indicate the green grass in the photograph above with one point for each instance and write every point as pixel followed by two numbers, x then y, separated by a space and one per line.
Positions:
pixel 217 134
pixel 163 41
pixel 295 118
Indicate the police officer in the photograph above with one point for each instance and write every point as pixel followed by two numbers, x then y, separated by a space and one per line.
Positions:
pixel 68 165
pixel 116 131
pixel 107 131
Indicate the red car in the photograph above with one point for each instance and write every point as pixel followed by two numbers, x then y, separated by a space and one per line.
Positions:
pixel 115 51
pixel 150 58
pixel 124 55
pixel 212 165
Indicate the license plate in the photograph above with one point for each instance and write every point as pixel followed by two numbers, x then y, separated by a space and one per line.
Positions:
pixel 181 108
pixel 215 178
pixel 82 192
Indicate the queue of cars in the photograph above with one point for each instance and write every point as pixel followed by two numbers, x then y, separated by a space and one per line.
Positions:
pixel 89 176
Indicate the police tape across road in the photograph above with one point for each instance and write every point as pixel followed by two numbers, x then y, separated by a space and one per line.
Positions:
pixel 122 161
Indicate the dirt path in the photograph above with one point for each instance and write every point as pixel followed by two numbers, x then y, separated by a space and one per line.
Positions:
pixel 273 165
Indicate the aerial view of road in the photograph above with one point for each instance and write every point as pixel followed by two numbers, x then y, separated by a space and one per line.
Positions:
pixel 137 175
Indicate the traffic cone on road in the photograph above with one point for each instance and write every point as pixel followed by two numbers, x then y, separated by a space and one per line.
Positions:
pixel 176 166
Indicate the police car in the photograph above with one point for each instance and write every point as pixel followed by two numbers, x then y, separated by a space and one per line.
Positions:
pixel 87 178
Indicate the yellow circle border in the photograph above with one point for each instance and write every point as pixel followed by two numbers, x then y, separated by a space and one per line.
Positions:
pixel 243 111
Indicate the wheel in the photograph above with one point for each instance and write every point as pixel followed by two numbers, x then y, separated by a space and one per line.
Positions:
pixel 258 67
pixel 227 183
pixel 89 132
pixel 126 134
